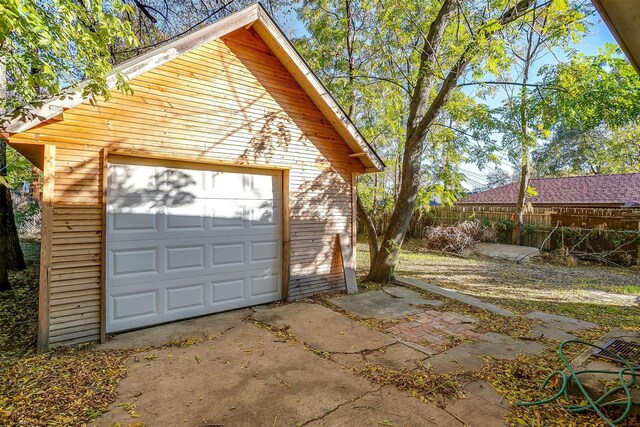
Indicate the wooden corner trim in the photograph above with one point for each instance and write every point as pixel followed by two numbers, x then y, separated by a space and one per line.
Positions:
pixel 104 158
pixel 44 290
pixel 286 235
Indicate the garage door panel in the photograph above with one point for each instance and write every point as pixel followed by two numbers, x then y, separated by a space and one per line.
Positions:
pixel 186 297
pixel 228 254
pixel 142 261
pixel 143 304
pixel 146 304
pixel 179 258
pixel 183 243
pixel 185 257
pixel 132 180
pixel 126 222
pixel 227 290
pixel 265 284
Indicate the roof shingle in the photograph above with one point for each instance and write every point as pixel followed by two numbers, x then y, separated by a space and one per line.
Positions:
pixel 619 189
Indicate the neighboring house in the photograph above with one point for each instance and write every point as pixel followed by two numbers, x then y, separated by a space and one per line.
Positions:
pixel 220 183
pixel 593 191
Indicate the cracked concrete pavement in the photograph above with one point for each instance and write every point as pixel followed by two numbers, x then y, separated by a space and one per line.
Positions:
pixel 294 364
pixel 245 375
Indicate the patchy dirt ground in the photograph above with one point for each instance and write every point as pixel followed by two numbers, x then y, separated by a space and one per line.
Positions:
pixel 605 295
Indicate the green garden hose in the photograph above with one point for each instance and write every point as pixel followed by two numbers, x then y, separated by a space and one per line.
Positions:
pixel 596 405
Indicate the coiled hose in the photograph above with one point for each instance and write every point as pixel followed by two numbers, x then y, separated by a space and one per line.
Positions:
pixel 598 404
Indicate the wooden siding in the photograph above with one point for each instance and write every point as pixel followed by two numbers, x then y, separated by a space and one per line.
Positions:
pixel 227 101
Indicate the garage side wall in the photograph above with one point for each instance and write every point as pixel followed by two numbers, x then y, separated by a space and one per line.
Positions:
pixel 230 101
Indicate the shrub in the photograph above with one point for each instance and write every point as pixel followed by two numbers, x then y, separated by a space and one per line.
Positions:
pixel 455 238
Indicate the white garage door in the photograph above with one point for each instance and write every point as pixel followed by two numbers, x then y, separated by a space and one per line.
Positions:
pixel 183 242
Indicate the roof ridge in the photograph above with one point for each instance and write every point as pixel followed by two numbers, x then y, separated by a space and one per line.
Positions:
pixel 588 176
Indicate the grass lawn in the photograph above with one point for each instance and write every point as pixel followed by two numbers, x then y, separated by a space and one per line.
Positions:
pixel 604 295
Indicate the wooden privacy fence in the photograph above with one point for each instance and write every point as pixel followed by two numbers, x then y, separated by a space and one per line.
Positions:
pixel 539 222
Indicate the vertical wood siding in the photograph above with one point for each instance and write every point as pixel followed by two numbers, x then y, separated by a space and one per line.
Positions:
pixel 230 100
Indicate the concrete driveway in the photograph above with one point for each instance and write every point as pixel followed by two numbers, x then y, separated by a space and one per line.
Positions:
pixel 292 365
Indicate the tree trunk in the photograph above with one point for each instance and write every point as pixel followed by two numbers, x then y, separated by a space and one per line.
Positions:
pixel 11 257
pixel 8 230
pixel 422 114
pixel 382 266
pixel 372 237
pixel 362 214
pixel 525 161
pixel 518 216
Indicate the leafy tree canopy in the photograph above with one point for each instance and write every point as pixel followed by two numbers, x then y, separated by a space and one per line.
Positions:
pixel 46 45
pixel 596 151
pixel 589 91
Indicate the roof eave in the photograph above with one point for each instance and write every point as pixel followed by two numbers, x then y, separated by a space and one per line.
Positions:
pixel 284 50
pixel 615 29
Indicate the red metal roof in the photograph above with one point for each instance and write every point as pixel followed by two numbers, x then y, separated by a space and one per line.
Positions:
pixel 619 190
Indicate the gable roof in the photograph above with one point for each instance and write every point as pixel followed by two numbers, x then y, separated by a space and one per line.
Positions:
pixel 254 16
pixel 622 190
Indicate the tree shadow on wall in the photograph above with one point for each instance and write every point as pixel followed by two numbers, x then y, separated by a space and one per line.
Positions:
pixel 274 135
pixel 166 188
pixel 319 210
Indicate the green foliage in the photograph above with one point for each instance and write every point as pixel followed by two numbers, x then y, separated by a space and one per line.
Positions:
pixel 520 119
pixel 589 91
pixel 369 56
pixel 600 150
pixel 25 212
pixel 591 105
pixel 46 45
pixel 19 169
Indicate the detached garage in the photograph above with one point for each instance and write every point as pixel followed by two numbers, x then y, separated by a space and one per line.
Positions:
pixel 221 182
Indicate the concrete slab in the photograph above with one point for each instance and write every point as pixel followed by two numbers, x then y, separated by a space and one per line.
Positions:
pixel 551 332
pixel 245 377
pixel 563 323
pixel 396 356
pixel 413 296
pixel 604 297
pixel 467 299
pixel 594 382
pixel 349 360
pixel 201 327
pixel 387 407
pixel 390 303
pixel 505 252
pixel 485 390
pixel 468 356
pixel 324 329
pixel 474 411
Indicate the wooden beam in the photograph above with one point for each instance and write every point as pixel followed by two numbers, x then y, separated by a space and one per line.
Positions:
pixel 104 157
pixel 44 292
pixel 176 161
pixel 348 262
pixel 354 216
pixel 357 155
pixel 286 235
pixel 33 152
